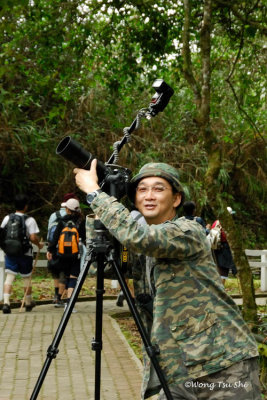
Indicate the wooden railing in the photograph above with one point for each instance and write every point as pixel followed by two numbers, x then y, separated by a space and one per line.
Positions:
pixel 257 260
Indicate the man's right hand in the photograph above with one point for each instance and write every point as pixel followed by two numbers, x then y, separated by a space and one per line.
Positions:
pixel 87 180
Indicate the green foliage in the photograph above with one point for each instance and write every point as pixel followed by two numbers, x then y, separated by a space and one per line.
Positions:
pixel 262 349
pixel 85 69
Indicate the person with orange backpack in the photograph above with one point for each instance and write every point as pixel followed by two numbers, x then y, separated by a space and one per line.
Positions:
pixel 63 249
pixel 59 278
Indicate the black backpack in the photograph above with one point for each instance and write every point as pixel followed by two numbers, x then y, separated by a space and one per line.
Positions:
pixel 16 242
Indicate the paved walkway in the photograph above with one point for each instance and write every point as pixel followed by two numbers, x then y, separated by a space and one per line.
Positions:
pixel 25 338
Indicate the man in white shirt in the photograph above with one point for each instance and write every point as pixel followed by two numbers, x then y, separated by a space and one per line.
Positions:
pixel 20 264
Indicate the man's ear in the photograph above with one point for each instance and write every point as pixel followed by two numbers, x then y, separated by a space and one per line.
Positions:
pixel 177 198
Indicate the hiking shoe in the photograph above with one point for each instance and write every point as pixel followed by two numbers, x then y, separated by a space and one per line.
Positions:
pixel 6 309
pixel 29 307
pixel 55 299
pixel 59 304
pixel 33 304
pixel 120 299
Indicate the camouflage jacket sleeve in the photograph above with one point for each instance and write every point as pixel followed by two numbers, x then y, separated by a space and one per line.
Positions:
pixel 171 239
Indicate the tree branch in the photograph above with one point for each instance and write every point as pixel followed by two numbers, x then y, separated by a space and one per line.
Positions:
pixel 259 24
pixel 228 80
pixel 186 52
pixel 241 109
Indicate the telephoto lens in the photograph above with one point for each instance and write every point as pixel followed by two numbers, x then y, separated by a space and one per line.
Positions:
pixel 73 151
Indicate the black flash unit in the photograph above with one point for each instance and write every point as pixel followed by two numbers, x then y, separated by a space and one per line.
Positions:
pixel 161 98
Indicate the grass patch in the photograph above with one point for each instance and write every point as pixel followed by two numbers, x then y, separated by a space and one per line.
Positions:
pixel 232 286
pixel 43 287
pixel 131 333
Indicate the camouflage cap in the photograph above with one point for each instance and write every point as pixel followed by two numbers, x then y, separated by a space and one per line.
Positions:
pixel 163 170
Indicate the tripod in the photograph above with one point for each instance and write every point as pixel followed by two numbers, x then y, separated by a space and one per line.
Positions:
pixel 101 251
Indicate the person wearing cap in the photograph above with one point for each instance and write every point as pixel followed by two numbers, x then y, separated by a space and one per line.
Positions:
pixel 70 269
pixel 59 279
pixel 206 350
pixel 62 211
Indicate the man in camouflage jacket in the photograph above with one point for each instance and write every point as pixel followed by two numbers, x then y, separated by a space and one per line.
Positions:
pixel 206 349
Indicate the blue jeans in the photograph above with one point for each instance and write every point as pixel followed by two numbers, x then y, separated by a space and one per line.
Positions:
pixel 19 265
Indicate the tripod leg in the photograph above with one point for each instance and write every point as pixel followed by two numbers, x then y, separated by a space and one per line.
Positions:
pixel 53 348
pixel 150 349
pixel 97 341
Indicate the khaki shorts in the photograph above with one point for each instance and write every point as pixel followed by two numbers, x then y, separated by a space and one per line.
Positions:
pixel 240 381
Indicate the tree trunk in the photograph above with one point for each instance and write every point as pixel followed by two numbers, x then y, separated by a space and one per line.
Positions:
pixel 213 148
pixel 235 237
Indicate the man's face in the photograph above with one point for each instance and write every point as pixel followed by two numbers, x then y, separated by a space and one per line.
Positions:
pixel 154 198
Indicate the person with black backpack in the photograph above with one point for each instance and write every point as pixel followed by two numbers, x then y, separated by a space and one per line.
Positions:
pixel 58 277
pixel 64 247
pixel 18 232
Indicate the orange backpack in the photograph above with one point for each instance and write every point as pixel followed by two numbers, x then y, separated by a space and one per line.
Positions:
pixel 68 242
